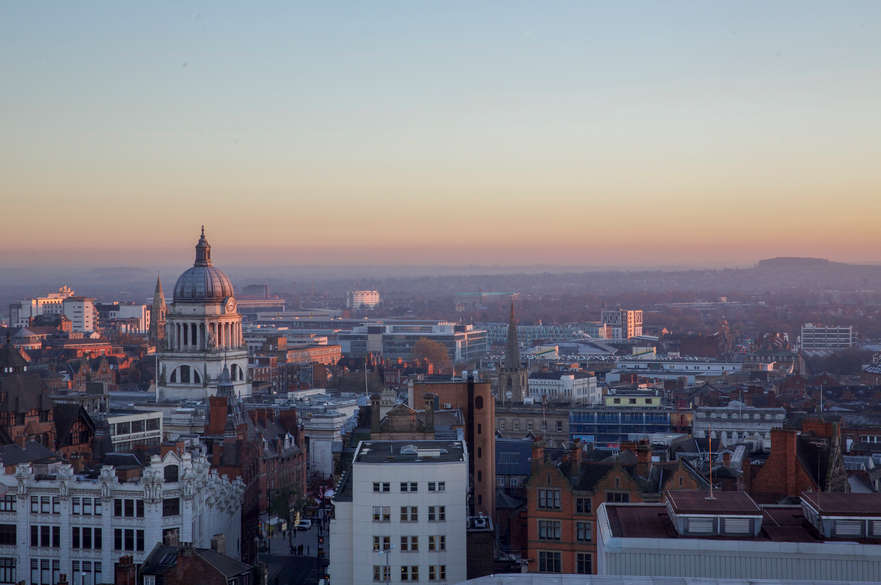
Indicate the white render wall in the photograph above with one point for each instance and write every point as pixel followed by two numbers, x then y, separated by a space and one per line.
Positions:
pixel 356 519
pixel 209 505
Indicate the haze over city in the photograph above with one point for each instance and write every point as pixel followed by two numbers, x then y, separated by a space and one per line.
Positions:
pixel 581 134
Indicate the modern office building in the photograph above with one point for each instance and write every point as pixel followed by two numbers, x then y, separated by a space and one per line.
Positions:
pixel 628 321
pixel 362 299
pixel 400 515
pixel 21 312
pixel 396 340
pixel 825 339
pixel 82 313
pixel 609 426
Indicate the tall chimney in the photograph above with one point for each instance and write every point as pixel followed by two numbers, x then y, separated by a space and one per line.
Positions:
pixel 374 413
pixel 429 411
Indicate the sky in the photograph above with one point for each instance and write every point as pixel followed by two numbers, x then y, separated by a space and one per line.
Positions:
pixel 571 133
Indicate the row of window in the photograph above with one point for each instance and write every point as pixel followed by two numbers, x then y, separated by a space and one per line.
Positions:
pixel 52 505
pixel 409 486
pixel 382 573
pixel 409 514
pixel 410 543
pixel 549 499
pixel 86 537
pixel 46 571
pixel 550 561
pixel 515 424
pixel 550 530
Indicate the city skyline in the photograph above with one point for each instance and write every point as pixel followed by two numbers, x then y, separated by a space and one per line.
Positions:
pixel 667 134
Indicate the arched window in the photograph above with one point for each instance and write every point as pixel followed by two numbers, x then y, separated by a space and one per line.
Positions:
pixel 197 378
pixel 478 402
pixel 171 473
pixel 185 374
pixel 234 372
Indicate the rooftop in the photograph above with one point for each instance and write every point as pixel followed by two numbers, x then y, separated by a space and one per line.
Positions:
pixel 840 504
pixel 699 502
pixel 410 452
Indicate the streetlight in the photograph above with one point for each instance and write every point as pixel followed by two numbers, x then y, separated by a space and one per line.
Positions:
pixel 387 577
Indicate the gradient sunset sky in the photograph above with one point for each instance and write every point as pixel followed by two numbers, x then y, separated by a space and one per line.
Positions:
pixel 588 133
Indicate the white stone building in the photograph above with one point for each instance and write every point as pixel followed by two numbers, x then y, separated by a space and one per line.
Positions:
pixel 572 387
pixel 82 313
pixel 21 312
pixel 203 335
pixel 130 428
pixel 362 299
pixel 738 423
pixel 825 339
pixel 401 514
pixel 55 522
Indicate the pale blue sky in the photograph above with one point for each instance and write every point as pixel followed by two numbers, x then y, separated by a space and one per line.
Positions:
pixel 720 131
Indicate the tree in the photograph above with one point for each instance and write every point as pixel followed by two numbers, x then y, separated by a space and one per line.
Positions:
pixel 433 351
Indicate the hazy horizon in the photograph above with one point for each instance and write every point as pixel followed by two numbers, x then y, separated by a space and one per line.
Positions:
pixel 456 133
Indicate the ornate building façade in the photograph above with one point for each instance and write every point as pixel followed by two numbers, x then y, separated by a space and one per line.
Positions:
pixel 203 335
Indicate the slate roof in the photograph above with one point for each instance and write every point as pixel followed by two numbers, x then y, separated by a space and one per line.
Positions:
pixel 13 454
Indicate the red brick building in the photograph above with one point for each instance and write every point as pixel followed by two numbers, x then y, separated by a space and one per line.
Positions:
pixel 563 497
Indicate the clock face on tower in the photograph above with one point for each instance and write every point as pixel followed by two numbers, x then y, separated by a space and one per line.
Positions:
pixel 230 305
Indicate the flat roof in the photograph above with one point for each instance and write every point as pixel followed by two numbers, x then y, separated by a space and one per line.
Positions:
pixel 410 452
pixel 699 502
pixel 839 504
pixel 783 524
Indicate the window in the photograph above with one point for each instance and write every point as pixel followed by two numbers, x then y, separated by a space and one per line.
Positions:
pixel 35 504
pixel 140 508
pixel 409 514
pixel 549 530
pixel 382 543
pixel 549 562
pixel 7 535
pixel 408 486
pixel 409 573
pixel 582 531
pixel 617 497
pixel 117 507
pixel 7 570
pixel 45 537
pixel 170 506
pixel 130 509
pixel 171 473
pixel 7 504
pixel 376 486
pixel 87 506
pixel 77 506
pixel 582 506
pixel 559 426
pixel 409 543
pixel 382 573
pixel 98 507
pixel 382 513
pixel 386 487
pixel 583 563
pixel 44 504
pixel 437 513
pixel 56 505
pixel 549 499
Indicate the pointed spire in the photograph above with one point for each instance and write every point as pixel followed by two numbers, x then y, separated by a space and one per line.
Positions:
pixel 158 290
pixel 512 347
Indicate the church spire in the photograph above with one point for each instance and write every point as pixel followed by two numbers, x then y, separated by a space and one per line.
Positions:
pixel 157 315
pixel 203 251
pixel 512 348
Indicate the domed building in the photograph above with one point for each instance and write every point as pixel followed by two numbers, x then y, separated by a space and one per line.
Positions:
pixel 203 335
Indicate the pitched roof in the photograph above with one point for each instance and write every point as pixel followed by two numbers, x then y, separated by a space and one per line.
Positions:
pixel 13 454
